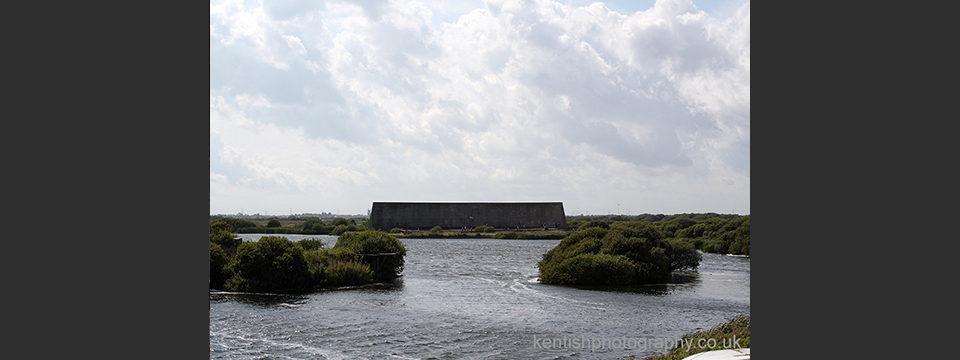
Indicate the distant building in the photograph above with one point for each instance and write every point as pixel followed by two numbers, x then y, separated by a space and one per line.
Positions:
pixel 425 215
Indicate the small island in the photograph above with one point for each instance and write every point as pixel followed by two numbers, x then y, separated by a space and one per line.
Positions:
pixel 276 264
pixel 623 253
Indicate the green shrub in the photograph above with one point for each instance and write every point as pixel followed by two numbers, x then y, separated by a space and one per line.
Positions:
pixel 744 247
pixel 322 229
pixel 237 224
pixel 574 224
pixel 313 220
pixel 344 221
pixel 436 230
pixel 220 234
pixel 273 223
pixel 395 231
pixel 603 224
pixel 348 273
pixel 218 261
pixel 683 256
pixel 571 245
pixel 225 239
pixel 313 225
pixel 341 229
pixel 709 246
pixel 670 227
pixel 375 242
pixel 219 226
pixel 369 242
pixel 311 244
pixel 593 269
pixel 484 229
pixel 739 238
pixel 268 265
pixel 317 261
pixel 697 243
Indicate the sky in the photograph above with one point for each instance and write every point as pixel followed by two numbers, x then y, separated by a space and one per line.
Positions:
pixel 620 107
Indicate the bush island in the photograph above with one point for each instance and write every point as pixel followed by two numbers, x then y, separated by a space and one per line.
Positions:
pixel 276 264
pixel 624 253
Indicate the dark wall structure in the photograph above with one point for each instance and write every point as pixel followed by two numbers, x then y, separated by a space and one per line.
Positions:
pixel 418 215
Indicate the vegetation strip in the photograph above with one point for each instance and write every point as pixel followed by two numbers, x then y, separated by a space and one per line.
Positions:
pixel 637 249
pixel 708 232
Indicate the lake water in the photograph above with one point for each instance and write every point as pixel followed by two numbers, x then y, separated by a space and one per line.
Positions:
pixel 476 299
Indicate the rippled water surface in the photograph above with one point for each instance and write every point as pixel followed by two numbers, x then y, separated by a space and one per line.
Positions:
pixel 476 298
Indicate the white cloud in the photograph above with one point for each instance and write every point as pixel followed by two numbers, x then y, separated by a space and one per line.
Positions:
pixel 247 101
pixel 349 102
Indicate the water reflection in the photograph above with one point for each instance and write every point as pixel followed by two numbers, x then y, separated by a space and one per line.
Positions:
pixel 678 281
pixel 391 286
pixel 271 300
pixel 258 299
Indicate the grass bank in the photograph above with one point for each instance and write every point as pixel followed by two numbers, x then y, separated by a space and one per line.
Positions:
pixel 734 334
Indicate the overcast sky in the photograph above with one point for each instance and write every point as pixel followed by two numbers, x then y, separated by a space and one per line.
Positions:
pixel 624 107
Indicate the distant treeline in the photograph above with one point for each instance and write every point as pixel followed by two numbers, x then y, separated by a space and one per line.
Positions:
pixel 311 226
pixel 651 217
pixel 708 232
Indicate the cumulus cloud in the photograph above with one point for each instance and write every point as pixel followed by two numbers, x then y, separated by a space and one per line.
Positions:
pixel 514 100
